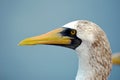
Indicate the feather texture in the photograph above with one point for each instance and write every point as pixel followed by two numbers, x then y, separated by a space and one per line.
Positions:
pixel 94 53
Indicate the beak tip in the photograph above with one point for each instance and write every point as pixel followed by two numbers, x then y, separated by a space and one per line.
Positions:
pixel 23 42
pixel 20 43
pixel 26 42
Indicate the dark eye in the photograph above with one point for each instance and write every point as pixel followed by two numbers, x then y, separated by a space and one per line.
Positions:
pixel 73 32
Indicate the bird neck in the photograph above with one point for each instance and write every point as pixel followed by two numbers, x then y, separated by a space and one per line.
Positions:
pixel 84 68
pixel 90 66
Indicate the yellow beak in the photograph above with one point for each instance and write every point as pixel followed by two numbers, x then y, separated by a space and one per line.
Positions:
pixel 116 59
pixel 53 37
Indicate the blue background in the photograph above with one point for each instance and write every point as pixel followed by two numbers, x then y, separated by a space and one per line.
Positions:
pixel 25 18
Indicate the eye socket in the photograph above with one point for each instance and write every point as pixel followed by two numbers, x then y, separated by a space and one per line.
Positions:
pixel 73 32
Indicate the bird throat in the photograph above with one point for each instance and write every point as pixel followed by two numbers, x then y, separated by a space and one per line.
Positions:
pixel 92 65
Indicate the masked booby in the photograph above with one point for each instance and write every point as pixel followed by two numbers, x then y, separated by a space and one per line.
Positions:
pixel 90 43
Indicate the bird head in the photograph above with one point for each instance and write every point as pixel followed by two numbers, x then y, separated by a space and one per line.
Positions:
pixel 64 36
pixel 70 35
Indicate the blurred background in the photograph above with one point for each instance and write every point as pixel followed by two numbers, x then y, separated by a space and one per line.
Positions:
pixel 20 19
